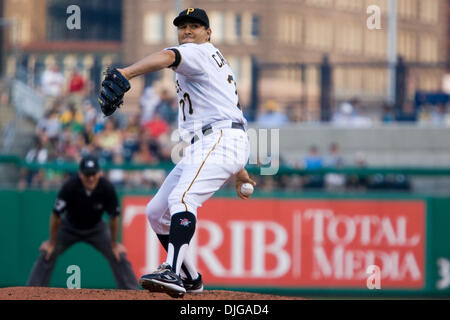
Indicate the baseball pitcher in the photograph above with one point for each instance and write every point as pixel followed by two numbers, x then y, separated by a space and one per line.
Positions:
pixel 211 120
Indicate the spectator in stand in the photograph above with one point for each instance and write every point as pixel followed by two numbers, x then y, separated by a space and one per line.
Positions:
pixel 131 137
pixel 361 119
pixel 88 132
pixel 334 157
pixel 167 108
pixel 147 151
pixel 388 114
pixel 94 147
pixel 311 162
pixel 268 184
pixel 118 177
pixel 407 114
pixel 164 147
pixel 153 177
pixel 99 124
pixel 145 155
pixel 52 85
pixel 90 113
pixel 358 182
pixel 81 144
pixel 272 117
pixel 110 140
pixel 77 88
pixel 334 181
pixel 67 146
pixel 73 118
pixel 50 125
pixel 290 182
pixel 120 119
pixel 156 126
pixel 344 116
pixel 38 153
pixel 424 117
pixel 149 100
pixel 438 115
pixel 4 93
pixel 351 114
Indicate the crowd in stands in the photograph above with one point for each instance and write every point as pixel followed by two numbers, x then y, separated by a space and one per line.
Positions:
pixel 332 181
pixel 353 114
pixel 74 126
pixel 4 94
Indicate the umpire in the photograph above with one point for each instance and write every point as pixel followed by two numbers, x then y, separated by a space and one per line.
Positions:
pixel 83 200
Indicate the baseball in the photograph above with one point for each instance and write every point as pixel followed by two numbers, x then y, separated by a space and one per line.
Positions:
pixel 246 189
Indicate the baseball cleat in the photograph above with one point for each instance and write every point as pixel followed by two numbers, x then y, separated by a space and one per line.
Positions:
pixel 193 286
pixel 163 280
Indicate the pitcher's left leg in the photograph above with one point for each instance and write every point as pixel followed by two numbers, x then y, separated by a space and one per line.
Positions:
pixel 198 182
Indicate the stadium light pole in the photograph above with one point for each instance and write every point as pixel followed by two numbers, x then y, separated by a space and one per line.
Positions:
pixel 392 49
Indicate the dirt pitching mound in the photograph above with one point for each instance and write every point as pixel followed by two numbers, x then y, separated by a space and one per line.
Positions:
pixel 39 293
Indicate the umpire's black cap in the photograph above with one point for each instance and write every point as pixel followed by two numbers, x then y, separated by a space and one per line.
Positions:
pixel 194 14
pixel 89 165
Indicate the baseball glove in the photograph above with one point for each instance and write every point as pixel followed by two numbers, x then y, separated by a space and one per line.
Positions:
pixel 113 89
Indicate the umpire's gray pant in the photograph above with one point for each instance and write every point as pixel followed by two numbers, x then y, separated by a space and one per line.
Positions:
pixel 100 238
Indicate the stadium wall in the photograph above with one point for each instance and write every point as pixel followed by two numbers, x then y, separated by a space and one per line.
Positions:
pixel 279 243
pixel 381 145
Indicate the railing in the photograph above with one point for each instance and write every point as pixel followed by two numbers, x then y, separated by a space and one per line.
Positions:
pixel 71 167
pixel 26 101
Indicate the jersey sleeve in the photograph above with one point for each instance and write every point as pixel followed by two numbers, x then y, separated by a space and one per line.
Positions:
pixel 112 204
pixel 60 205
pixel 189 60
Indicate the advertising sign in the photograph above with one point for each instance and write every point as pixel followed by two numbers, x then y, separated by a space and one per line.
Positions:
pixel 294 243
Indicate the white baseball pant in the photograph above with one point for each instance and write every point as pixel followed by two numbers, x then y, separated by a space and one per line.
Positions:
pixel 205 167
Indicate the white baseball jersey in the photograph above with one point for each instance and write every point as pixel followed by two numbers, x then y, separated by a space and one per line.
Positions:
pixel 206 88
pixel 207 95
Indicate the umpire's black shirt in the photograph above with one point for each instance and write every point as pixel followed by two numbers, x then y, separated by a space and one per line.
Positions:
pixel 85 209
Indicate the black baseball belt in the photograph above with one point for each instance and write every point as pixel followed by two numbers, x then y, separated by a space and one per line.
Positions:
pixel 208 129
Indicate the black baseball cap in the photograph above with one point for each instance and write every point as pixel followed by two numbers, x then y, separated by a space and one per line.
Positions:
pixel 193 14
pixel 89 165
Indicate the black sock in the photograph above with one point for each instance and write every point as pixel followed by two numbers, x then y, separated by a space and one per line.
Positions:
pixel 164 240
pixel 182 228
